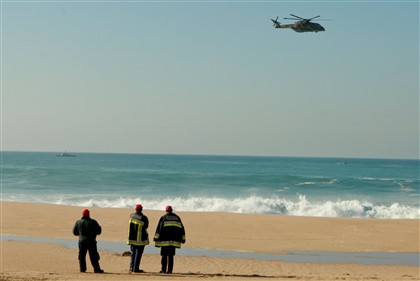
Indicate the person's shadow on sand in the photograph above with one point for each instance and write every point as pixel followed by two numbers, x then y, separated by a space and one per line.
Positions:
pixel 204 275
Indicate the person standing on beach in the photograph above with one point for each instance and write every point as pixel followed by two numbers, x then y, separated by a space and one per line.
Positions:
pixel 137 237
pixel 87 229
pixel 170 233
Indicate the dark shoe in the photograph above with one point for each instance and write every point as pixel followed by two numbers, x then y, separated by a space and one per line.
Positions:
pixel 162 271
pixel 99 271
pixel 138 271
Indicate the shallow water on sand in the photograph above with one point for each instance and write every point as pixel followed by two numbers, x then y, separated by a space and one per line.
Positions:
pixel 365 258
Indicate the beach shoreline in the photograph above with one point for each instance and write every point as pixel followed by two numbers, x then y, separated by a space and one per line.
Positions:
pixel 270 234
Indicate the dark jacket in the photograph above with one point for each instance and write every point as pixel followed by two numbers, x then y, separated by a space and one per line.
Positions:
pixel 137 229
pixel 170 231
pixel 87 229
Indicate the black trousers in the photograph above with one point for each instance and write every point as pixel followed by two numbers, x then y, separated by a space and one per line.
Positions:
pixel 167 253
pixel 136 254
pixel 90 247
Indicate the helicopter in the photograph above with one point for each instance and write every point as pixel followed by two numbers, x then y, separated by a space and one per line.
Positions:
pixel 302 25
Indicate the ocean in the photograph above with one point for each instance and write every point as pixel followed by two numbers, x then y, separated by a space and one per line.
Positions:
pixel 295 186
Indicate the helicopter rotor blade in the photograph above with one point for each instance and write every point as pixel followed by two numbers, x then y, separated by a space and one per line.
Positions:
pixel 297 17
pixel 314 17
pixel 291 19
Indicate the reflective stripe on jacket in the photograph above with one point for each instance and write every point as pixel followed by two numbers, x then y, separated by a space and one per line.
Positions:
pixel 137 230
pixel 170 231
pixel 168 243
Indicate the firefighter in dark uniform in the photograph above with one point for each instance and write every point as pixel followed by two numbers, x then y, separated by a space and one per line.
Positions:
pixel 87 229
pixel 137 237
pixel 170 233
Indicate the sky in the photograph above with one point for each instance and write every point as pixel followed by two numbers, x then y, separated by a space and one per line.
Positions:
pixel 210 77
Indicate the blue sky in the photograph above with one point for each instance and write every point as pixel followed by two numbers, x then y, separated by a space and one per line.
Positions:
pixel 210 77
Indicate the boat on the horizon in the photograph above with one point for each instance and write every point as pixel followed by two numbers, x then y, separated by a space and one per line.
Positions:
pixel 65 154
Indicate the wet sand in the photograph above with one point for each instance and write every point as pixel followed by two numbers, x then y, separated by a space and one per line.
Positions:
pixel 272 234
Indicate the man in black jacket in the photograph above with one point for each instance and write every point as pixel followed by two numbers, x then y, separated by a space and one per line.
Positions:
pixel 137 237
pixel 170 233
pixel 87 229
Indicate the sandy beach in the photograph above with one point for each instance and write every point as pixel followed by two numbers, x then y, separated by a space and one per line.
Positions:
pixel 271 234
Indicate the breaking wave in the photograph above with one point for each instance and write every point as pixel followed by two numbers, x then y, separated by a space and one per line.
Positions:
pixel 301 206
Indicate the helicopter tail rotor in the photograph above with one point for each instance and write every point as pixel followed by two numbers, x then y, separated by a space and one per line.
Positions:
pixel 275 22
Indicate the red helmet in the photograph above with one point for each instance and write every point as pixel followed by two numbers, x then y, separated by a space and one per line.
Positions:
pixel 85 213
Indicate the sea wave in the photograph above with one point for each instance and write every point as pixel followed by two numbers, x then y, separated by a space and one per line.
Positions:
pixel 301 206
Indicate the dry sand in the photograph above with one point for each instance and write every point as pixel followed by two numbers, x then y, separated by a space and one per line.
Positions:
pixel 244 232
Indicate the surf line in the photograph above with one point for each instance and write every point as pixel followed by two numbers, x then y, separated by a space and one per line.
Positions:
pixel 364 258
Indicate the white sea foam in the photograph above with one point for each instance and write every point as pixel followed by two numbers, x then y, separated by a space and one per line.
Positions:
pixel 301 206
pixel 404 187
pixel 378 179
pixel 306 183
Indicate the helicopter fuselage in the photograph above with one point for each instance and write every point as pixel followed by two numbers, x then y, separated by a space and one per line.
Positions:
pixel 306 26
pixel 300 26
